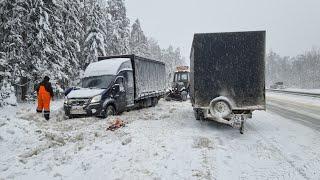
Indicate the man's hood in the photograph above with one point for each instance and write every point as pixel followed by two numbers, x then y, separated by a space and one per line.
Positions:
pixel 84 93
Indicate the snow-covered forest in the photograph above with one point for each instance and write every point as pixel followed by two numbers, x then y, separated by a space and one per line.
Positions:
pixel 60 38
pixel 302 71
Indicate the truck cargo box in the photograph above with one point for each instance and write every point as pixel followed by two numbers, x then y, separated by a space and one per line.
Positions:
pixel 228 65
pixel 148 75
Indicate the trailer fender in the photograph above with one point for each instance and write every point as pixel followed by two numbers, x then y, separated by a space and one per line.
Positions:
pixel 221 107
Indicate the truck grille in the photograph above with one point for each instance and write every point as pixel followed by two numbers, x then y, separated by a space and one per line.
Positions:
pixel 79 102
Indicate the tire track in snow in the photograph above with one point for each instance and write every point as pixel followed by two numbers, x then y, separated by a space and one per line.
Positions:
pixel 271 143
pixel 303 119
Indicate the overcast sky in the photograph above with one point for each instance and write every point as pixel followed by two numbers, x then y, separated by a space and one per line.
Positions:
pixel 293 26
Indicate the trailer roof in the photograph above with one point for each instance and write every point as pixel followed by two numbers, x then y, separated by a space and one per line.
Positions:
pixel 199 36
pixel 128 56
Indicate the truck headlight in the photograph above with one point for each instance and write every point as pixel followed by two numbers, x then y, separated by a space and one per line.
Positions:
pixel 96 99
pixel 66 101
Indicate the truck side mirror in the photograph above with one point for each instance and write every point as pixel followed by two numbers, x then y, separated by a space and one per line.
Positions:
pixel 116 88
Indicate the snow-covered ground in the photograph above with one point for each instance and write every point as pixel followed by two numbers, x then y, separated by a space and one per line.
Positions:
pixel 163 142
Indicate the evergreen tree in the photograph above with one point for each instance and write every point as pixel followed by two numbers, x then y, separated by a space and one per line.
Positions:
pixel 138 41
pixel 94 39
pixel 119 31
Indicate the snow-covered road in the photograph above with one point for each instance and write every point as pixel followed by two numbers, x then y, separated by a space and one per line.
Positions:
pixel 304 110
pixel 164 142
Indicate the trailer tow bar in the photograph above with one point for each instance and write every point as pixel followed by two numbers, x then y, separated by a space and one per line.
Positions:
pixel 242 127
pixel 238 122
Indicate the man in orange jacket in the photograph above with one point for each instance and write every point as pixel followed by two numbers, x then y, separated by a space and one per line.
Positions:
pixel 45 93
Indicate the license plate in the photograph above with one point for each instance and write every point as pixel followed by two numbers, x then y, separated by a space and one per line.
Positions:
pixel 77 110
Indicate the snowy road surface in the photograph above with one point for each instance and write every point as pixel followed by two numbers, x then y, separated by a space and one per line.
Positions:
pixel 304 110
pixel 164 142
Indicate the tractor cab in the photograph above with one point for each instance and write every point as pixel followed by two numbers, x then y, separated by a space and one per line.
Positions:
pixel 180 85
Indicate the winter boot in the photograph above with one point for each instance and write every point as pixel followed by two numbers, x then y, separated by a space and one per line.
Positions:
pixel 47 115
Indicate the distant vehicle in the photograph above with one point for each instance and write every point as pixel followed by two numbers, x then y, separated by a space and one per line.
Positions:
pixel 227 76
pixel 180 85
pixel 278 85
pixel 115 84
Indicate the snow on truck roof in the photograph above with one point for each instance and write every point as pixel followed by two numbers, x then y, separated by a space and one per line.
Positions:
pixel 105 67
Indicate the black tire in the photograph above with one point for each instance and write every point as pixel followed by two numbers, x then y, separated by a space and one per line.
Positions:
pixel 167 98
pixel 154 101
pixel 110 111
pixel 67 114
pixel 184 95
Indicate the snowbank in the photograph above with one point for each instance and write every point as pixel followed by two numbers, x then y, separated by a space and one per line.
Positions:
pixel 303 90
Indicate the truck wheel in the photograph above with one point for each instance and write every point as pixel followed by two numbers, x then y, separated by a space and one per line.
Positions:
pixel 68 115
pixel 110 111
pixel 154 101
pixel 184 95
pixel 167 98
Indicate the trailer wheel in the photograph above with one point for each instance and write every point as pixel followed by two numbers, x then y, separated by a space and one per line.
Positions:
pixel 220 108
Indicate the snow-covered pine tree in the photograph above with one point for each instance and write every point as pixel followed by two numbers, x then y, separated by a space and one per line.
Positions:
pixel 93 42
pixel 138 41
pixel 154 49
pixel 172 58
pixel 119 31
pixel 71 33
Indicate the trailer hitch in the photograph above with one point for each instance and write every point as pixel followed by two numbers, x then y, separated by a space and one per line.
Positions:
pixel 238 121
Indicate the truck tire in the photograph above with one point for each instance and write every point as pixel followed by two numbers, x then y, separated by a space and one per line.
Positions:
pixel 110 111
pixel 184 95
pixel 68 115
pixel 167 98
pixel 154 101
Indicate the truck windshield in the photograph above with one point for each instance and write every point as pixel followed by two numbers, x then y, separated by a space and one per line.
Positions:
pixel 101 82
pixel 181 77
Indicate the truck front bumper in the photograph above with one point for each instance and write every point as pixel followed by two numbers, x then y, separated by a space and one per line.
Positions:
pixel 88 110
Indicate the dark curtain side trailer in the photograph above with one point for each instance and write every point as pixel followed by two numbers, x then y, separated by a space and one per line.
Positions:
pixel 117 83
pixel 227 77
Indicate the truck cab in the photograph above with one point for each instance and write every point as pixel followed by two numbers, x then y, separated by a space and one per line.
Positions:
pixel 180 85
pixel 278 85
pixel 106 89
